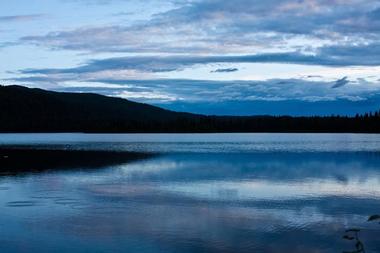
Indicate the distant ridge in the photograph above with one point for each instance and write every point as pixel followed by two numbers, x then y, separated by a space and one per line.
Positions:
pixel 27 109
pixel 35 110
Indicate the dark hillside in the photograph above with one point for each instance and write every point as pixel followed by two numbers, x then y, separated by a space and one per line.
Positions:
pixel 25 109
pixel 35 110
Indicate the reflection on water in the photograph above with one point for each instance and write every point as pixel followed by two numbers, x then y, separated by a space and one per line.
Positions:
pixel 18 160
pixel 206 143
pixel 267 201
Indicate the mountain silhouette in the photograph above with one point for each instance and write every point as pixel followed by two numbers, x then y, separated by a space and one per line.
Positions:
pixel 35 110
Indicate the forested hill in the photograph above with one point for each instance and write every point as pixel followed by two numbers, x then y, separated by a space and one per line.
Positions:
pixel 25 109
pixel 35 110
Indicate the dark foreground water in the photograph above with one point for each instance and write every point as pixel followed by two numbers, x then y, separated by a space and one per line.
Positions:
pixel 188 193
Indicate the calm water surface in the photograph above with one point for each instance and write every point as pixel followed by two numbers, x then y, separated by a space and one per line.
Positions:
pixel 194 193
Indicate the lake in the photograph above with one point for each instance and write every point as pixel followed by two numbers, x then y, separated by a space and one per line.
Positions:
pixel 188 192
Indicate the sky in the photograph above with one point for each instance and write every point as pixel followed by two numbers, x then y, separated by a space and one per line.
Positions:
pixel 241 57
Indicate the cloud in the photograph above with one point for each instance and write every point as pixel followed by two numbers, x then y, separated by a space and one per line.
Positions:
pixel 169 90
pixel 232 27
pixel 340 82
pixel 106 2
pixel 309 32
pixel 327 56
pixel 7 44
pixel 215 34
pixel 91 2
pixel 276 96
pixel 227 70
pixel 18 18
pixel 124 13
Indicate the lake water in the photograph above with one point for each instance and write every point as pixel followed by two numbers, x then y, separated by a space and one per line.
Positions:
pixel 189 192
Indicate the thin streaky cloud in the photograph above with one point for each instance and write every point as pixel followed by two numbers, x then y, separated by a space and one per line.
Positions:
pixel 226 70
pixel 19 18
pixel 341 82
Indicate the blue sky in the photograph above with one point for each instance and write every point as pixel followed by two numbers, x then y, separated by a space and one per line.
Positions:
pixel 241 57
